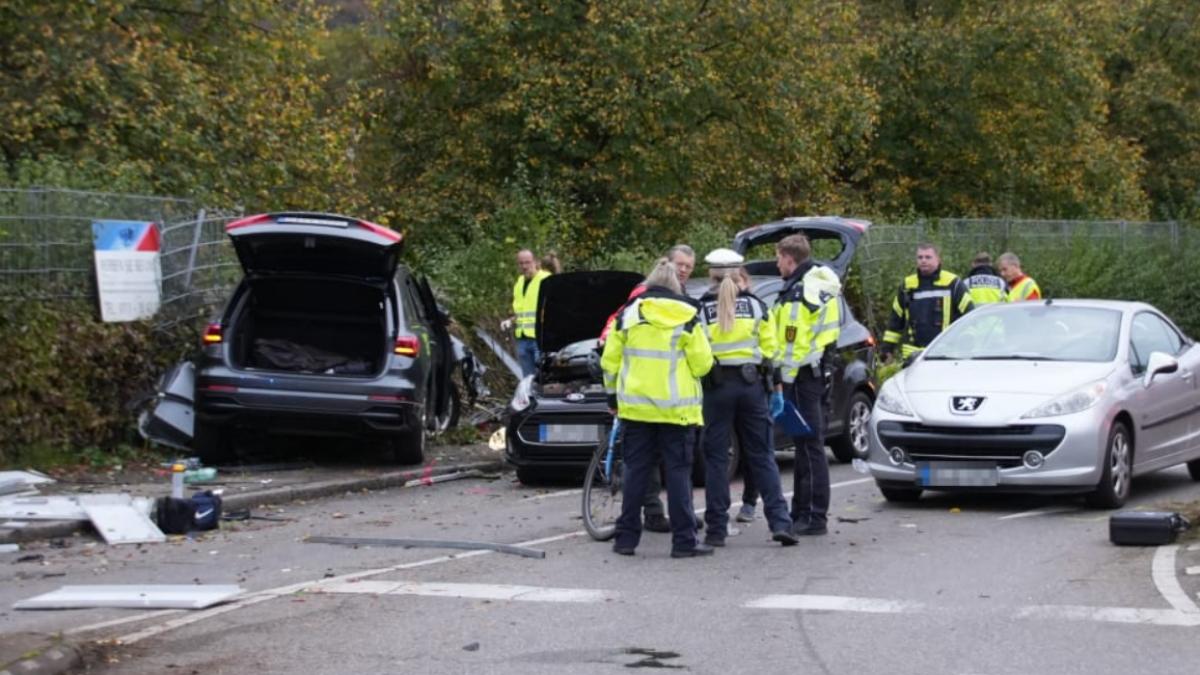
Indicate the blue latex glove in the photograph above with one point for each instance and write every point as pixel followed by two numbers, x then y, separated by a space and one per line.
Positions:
pixel 776 404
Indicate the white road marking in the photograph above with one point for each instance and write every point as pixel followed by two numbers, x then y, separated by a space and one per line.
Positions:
pixel 844 483
pixel 1162 570
pixel 473 591
pixel 1194 547
pixel 1152 617
pixel 118 622
pixel 260 596
pixel 833 603
pixel 550 495
pixel 1037 512
pixel 1192 571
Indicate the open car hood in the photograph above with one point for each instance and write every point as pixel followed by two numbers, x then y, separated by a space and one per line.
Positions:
pixel 846 231
pixel 573 306
pixel 315 243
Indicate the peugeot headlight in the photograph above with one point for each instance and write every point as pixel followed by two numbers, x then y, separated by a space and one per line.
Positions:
pixel 523 396
pixel 1072 402
pixel 891 400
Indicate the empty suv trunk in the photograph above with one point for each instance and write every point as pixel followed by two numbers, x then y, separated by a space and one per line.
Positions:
pixel 329 326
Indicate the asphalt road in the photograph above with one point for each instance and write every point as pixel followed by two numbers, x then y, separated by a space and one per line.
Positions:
pixel 953 584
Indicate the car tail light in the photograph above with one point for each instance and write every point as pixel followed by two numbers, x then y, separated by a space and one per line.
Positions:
pixel 870 340
pixel 251 220
pixel 214 334
pixel 407 345
pixel 223 388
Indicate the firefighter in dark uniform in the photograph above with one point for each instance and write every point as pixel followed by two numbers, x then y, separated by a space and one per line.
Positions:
pixel 742 335
pixel 926 304
pixel 807 317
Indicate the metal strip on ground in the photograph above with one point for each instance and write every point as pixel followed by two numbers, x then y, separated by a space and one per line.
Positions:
pixel 471 591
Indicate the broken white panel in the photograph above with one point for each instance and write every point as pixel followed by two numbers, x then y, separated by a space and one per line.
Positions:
pixel 26 477
pixel 132 596
pixel 57 507
pixel 123 524
pixel 42 508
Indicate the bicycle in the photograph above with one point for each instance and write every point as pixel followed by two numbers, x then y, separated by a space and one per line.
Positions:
pixel 602 485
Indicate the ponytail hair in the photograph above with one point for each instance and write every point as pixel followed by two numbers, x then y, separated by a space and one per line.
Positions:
pixel 665 276
pixel 550 262
pixel 727 292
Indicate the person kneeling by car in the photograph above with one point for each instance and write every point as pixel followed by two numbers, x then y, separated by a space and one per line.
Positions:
pixel 652 362
pixel 743 340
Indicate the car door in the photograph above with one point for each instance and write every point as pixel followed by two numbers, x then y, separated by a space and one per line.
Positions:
pixel 1168 404
pixel 413 322
pixel 440 350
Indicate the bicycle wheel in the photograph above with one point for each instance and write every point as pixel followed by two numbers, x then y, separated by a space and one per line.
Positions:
pixel 602 492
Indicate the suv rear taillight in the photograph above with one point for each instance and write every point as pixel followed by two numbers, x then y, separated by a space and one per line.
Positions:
pixel 214 334
pixel 407 345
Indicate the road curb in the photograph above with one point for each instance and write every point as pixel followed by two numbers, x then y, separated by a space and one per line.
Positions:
pixel 59 657
pixel 36 531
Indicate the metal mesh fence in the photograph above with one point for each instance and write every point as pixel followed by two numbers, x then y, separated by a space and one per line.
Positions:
pixel 1059 254
pixel 46 247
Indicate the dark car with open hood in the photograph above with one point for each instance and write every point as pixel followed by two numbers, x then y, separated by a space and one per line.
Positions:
pixel 327 334
pixel 557 414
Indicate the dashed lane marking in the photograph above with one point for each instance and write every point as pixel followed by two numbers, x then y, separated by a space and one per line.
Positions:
pixel 1192 571
pixel 471 591
pixel 833 603
pixel 1131 615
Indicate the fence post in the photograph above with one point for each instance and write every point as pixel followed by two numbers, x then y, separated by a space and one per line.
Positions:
pixel 191 264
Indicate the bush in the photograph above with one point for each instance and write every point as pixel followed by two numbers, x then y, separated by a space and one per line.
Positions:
pixel 70 378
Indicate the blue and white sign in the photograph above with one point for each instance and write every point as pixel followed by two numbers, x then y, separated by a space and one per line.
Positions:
pixel 128 270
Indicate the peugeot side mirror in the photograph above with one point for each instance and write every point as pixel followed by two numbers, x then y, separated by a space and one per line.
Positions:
pixel 1160 364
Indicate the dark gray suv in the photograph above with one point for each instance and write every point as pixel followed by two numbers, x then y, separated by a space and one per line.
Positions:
pixel 326 334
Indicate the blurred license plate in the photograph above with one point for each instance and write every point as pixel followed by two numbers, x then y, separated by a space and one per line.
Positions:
pixel 569 433
pixel 957 474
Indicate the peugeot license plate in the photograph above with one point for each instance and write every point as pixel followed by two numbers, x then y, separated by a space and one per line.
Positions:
pixel 957 474
pixel 569 433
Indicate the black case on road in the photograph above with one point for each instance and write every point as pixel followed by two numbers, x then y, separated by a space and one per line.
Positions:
pixel 1145 528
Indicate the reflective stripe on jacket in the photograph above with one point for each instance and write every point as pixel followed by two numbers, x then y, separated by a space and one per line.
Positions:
pixel 804 328
pixel 1025 288
pixel 924 306
pixel 654 358
pixel 524 305
pixel 752 339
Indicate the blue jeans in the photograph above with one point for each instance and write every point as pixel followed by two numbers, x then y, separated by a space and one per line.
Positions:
pixel 527 355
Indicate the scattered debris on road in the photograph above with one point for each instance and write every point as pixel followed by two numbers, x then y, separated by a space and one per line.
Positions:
pixel 431 543
pixel 457 475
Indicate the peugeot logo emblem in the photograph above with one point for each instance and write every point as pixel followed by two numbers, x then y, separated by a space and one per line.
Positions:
pixel 575 397
pixel 965 405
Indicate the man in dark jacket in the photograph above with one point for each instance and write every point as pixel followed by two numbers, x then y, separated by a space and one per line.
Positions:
pixel 925 305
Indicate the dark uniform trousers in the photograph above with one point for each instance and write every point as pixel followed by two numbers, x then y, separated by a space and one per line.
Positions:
pixel 736 406
pixel 810 499
pixel 646 446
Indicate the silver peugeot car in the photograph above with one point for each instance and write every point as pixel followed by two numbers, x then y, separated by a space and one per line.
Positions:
pixel 1060 396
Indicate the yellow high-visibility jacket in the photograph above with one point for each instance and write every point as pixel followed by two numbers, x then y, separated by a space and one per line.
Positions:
pixel 807 317
pixel 525 299
pixel 1025 289
pixel 654 358
pixel 752 339
pixel 985 286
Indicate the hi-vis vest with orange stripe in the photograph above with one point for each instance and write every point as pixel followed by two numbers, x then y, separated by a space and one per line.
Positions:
pixel 525 300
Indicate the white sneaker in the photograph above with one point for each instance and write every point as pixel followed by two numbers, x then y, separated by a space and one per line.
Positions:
pixel 745 514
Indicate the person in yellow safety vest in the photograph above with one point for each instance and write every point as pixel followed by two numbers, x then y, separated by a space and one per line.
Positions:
pixel 1022 287
pixel 807 317
pixel 525 300
pixel 742 335
pixel 653 360
pixel 985 285
pixel 926 304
